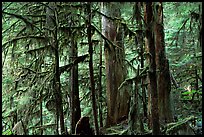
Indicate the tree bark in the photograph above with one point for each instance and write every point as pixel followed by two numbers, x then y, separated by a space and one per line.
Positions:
pixel 93 94
pixel 163 74
pixel 117 101
pixel 134 122
pixel 140 39
pixel 41 114
pixel 75 102
pixel 100 88
pixel 149 20
pixel 51 23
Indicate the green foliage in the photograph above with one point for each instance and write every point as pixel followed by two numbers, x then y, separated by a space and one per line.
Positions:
pixel 182 42
pixel 187 95
pixel 7 132
pixel 28 60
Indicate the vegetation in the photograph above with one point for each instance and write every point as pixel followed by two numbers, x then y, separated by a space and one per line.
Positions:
pixel 128 68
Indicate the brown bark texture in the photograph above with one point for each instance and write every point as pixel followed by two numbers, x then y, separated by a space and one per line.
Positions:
pixel 51 22
pixel 75 102
pixel 91 71
pixel 163 74
pixel 117 100
pixel 150 43
pixel 139 40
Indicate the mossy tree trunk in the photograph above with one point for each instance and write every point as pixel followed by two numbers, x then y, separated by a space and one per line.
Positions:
pixel 140 46
pixel 100 97
pixel 75 102
pixel 163 74
pixel 51 22
pixel 91 70
pixel 150 44
pixel 116 71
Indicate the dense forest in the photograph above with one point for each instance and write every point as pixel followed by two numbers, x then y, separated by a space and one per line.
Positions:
pixel 101 68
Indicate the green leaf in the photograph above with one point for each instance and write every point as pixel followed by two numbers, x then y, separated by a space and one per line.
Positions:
pixel 186 97
pixel 186 93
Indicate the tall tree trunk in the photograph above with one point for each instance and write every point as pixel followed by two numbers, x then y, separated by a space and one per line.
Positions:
pixel 140 39
pixel 41 96
pixel 93 94
pixel 163 74
pixel 100 97
pixel 117 101
pixel 41 114
pixel 149 20
pixel 135 123
pixel 75 102
pixel 51 23
pixel 100 88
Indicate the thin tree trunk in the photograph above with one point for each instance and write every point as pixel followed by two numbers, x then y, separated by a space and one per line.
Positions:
pixel 134 116
pixel 100 88
pixel 41 103
pixel 75 102
pixel 140 39
pixel 41 114
pixel 93 94
pixel 149 19
pixel 100 102
pixel 57 88
pixel 51 23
